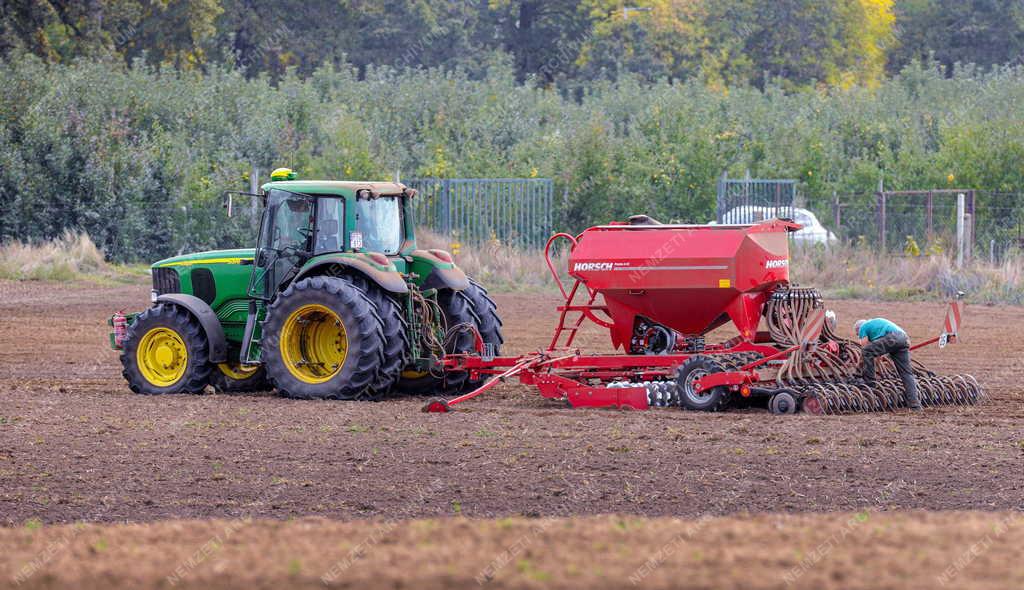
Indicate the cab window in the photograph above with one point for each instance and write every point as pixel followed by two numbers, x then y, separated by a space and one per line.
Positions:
pixel 330 219
pixel 379 221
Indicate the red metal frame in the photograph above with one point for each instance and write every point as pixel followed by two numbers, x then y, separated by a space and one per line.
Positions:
pixel 562 373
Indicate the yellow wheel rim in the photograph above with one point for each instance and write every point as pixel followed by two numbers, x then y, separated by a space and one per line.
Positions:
pixel 237 371
pixel 314 344
pixel 414 374
pixel 162 357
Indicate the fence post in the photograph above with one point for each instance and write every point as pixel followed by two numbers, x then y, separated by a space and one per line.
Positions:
pixel 929 215
pixel 970 224
pixel 960 213
pixel 836 214
pixel 721 195
pixel 881 220
pixel 881 213
pixel 254 188
pixel 254 179
pixel 446 221
pixel 746 187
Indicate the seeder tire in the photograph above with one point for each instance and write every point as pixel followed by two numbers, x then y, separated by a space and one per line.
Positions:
pixel 695 368
pixel 166 351
pixel 783 402
pixel 322 339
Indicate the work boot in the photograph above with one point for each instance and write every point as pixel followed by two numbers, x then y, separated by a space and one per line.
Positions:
pixel 910 394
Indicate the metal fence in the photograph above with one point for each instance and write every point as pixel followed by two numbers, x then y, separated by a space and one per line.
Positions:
pixel 926 221
pixel 514 211
pixel 749 200
pixel 895 222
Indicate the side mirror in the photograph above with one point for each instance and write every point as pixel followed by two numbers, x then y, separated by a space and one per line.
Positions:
pixel 229 201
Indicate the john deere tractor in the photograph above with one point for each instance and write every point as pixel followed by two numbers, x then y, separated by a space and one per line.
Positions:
pixel 336 301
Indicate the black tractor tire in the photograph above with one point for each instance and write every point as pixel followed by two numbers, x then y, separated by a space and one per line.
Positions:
pixel 230 378
pixel 695 368
pixel 396 335
pixel 488 322
pixel 183 345
pixel 360 362
pixel 457 309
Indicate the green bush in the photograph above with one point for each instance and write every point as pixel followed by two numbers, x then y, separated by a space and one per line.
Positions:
pixel 139 157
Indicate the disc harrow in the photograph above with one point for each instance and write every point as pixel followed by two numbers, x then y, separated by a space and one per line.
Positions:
pixel 855 397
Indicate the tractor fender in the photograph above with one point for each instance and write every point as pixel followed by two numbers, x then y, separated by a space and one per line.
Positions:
pixel 389 280
pixel 207 319
pixel 442 273
pixel 446 278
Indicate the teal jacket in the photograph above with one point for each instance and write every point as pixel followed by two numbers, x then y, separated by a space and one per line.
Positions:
pixel 877 328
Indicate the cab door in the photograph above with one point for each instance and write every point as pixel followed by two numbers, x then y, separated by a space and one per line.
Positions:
pixel 285 241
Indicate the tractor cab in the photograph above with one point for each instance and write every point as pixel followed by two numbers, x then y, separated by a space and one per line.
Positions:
pixel 303 220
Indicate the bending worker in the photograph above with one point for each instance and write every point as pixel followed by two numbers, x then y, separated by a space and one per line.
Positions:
pixel 878 337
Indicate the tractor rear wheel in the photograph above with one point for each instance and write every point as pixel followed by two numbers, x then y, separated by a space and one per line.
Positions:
pixel 238 378
pixel 488 323
pixel 698 367
pixel 458 311
pixel 396 335
pixel 323 339
pixel 166 351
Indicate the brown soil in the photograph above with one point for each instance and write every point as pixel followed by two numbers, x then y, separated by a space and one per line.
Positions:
pixel 850 550
pixel 77 445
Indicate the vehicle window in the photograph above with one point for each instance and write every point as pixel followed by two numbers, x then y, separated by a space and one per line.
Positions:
pixel 291 224
pixel 330 218
pixel 284 236
pixel 380 223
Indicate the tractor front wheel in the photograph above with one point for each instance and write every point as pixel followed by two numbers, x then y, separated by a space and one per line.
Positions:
pixel 323 339
pixel 165 351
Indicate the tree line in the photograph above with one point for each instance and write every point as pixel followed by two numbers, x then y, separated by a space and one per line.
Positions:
pixel 793 44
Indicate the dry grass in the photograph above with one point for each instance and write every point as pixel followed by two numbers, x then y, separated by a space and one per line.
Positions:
pixel 860 273
pixel 69 257
pixel 499 266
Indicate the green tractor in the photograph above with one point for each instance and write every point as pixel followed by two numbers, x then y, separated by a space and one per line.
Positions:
pixel 335 302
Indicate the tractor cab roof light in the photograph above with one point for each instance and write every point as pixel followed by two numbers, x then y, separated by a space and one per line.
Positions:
pixel 283 174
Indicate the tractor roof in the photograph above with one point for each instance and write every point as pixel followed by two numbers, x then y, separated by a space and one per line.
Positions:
pixel 345 188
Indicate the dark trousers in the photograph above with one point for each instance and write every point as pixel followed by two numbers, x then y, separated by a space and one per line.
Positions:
pixel 897 347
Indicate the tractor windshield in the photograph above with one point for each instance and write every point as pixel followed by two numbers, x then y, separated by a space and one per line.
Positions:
pixel 379 220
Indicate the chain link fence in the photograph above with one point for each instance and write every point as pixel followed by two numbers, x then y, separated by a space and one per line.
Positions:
pixel 749 200
pixel 926 222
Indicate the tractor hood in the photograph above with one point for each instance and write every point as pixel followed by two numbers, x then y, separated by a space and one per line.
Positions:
pixel 235 256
